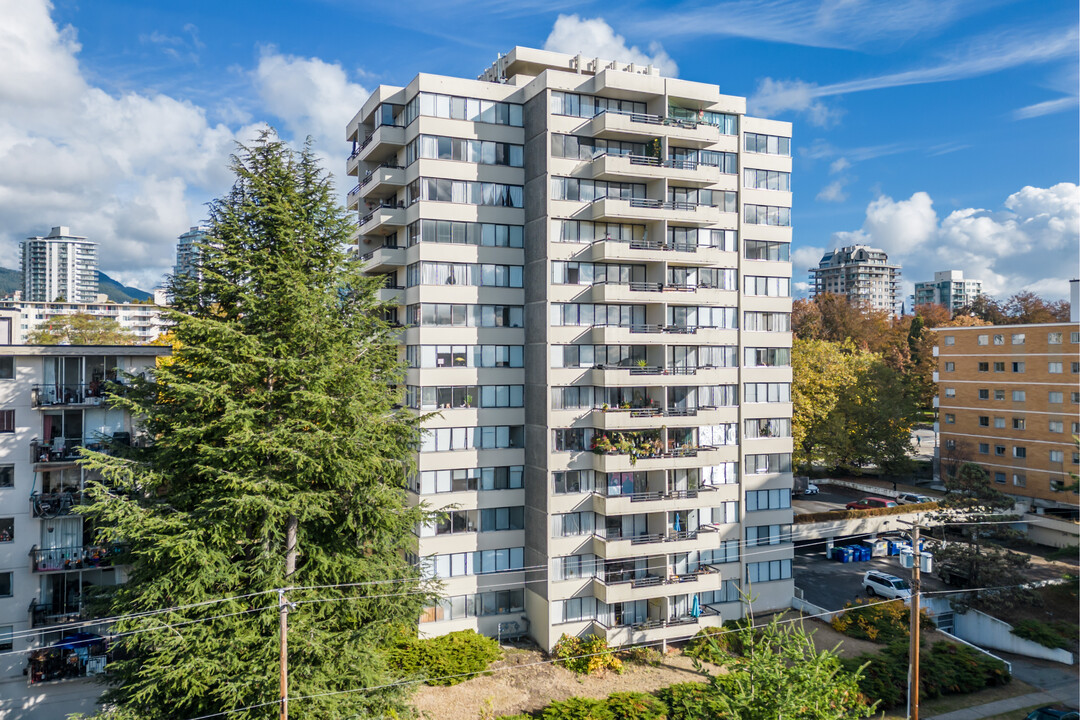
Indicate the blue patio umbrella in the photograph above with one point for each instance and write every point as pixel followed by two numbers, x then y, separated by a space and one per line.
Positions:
pixel 78 640
pixel 678 523
pixel 695 608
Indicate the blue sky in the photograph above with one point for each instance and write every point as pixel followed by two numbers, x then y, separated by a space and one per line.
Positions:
pixel 945 131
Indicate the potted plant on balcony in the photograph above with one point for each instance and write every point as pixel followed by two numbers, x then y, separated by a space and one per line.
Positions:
pixel 602 445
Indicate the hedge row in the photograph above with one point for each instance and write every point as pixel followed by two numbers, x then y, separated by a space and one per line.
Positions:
pixel 447 659
pixel 871 512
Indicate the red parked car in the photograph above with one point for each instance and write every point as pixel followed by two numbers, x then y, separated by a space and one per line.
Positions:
pixel 868 503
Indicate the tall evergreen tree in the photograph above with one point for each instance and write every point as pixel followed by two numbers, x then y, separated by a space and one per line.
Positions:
pixel 277 457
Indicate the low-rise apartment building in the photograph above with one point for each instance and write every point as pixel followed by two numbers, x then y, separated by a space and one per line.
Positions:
pixel 1009 400
pixel 140 319
pixel 52 404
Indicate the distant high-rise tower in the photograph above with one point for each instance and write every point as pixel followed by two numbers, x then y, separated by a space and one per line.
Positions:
pixel 949 288
pixel 59 265
pixel 187 251
pixel 860 273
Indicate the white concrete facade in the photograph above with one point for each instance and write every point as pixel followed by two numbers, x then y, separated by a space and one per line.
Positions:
pixel 51 404
pixel 59 266
pixel 860 273
pixel 141 319
pixel 583 252
pixel 949 289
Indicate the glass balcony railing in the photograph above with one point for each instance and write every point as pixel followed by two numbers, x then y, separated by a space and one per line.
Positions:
pixel 66 559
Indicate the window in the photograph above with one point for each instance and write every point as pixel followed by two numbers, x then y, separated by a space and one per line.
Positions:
pixel 999 394
pixel 950 444
pixel 7 530
pixel 1057 456
pixel 1074 337
pixel 1018 338
pixel 950 419
pixel 984 394
pixel 6 634
pixel 767 427
pixel 767 179
pixel 1018 367
pixel 7 476
pixel 766 392
pixel 1053 338
pixel 999 450
pixel 768 463
pixel 485 437
pixel 767 215
pixel 999 339
pixel 765 250
pixel 984 367
pixel 7 367
pixel 573 524
pixel 767 535
pixel 767 321
pixel 999 423
pixel 483 152
pixel 1075 397
pixel 999 477
pixel 447 315
pixel 1019 395
pixel 5 584
pixel 469 274
pixel 984 448
pixel 768 499
pixel 767 286
pixel 1056 426
pixel 984 421
pixel 504 518
pixel 1018 423
pixel 950 339
pixel 1075 428
pixel 1056 398
pixel 7 421
pixel 596 315
pixel 465 233
pixel 766 357
pixel 462 108
pixel 574 482
pixel 471 356
pixel 984 339
pixel 587 106
pixel 768 144
pixel 470 479
pixel 581 190
pixel 1019 480
pixel 466 192
pixel 1055 368
pixel 768 571
pixel 1076 368
pixel 950 366
pixel 1019 452
pixel 473 563
pixel 999 367
pixel 950 392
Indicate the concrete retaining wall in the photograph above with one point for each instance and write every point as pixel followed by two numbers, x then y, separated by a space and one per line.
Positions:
pixel 987 631
pixel 809 608
pixel 1051 531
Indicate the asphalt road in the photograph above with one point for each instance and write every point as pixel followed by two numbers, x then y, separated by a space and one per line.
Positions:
pixel 830 584
pixel 830 497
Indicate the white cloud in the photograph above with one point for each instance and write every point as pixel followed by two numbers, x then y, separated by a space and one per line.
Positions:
pixel 1048 107
pixel 594 38
pixel 803 258
pixel 774 97
pixel 833 192
pixel 1032 242
pixel 839 165
pixel 132 171
pixel 981 56
pixel 311 97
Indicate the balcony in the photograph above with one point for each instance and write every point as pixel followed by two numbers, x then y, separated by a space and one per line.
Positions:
pixel 647 209
pixel 68 394
pixel 627 375
pixel 54 504
pixel 383 220
pixel 87 557
pixel 640 250
pixel 661 501
pixel 624 167
pixel 384 259
pixel 640 127
pixel 382 144
pixel 55 613
pixel 61 452
pixel 642 334
pixel 383 181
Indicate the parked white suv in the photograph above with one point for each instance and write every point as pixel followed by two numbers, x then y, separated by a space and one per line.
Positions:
pixel 885 585
pixel 913 499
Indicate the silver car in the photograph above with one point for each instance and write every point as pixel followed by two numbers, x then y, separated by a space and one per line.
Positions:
pixel 913 499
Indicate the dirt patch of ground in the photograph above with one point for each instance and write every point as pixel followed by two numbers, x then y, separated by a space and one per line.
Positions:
pixel 524 681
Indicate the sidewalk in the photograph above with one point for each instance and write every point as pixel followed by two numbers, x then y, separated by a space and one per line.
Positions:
pixel 998 707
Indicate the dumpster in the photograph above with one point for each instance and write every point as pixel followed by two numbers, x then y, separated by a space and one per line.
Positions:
pixel 877 548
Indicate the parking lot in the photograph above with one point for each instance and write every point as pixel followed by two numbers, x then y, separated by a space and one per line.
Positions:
pixel 830 584
pixel 830 497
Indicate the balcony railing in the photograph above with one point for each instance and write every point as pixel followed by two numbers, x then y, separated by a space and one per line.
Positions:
pixel 67 394
pixel 55 613
pixel 371 173
pixel 66 559
pixel 66 450
pixel 54 504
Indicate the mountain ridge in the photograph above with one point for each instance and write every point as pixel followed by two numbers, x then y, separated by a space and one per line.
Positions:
pixel 11 280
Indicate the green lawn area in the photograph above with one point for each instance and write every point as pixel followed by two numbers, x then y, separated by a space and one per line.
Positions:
pixel 948 703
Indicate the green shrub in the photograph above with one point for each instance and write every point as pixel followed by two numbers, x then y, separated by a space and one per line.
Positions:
pixel 578 708
pixel 879 622
pixel 520 716
pixel 446 660
pixel 586 656
pixel 1051 635
pixel 636 706
pixel 684 701
pixel 945 669
pixel 645 656
pixel 714 644
pixel 828 515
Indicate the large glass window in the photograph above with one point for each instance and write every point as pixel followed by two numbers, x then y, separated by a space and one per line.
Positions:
pixel 767 215
pixel 447 315
pixel 587 106
pixel 465 233
pixel 467 192
pixel 597 315
pixel 767 179
pixel 764 250
pixel 483 152
pixel 474 356
pixel 768 571
pixel 463 108
pixel 767 286
pixel 485 437
pixel 583 231
pixel 567 188
pixel 768 144
pixel 476 274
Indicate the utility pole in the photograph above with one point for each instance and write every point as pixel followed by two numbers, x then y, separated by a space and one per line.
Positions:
pixel 283 611
pixel 913 624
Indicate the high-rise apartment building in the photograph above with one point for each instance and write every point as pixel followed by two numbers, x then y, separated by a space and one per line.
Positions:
pixel 52 404
pixel 1009 400
pixel 187 251
pixel 591 265
pixel 59 266
pixel 860 273
pixel 949 289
